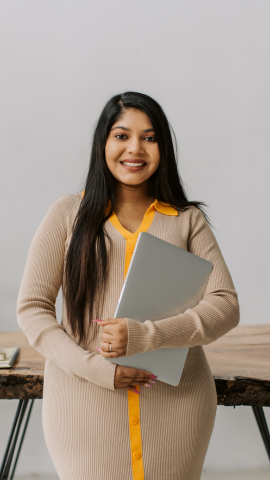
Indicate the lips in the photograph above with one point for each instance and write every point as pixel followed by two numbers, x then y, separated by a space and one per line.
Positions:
pixel 132 168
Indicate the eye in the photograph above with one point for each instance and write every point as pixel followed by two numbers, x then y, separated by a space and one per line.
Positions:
pixel 120 135
pixel 151 139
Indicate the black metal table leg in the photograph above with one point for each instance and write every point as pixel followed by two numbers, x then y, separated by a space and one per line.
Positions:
pixel 262 424
pixel 15 430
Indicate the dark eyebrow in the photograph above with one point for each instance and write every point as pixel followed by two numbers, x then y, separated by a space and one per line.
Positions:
pixel 128 130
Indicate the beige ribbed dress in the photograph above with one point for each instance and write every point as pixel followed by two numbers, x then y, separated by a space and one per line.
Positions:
pixel 92 431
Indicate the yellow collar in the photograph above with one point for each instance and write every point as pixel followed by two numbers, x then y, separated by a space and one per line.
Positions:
pixel 160 207
pixel 164 208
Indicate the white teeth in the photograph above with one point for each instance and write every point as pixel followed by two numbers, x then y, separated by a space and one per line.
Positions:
pixel 133 164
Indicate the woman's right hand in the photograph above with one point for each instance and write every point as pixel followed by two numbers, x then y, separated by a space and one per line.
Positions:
pixel 127 378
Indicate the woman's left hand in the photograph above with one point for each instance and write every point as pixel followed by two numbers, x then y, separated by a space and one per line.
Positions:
pixel 114 332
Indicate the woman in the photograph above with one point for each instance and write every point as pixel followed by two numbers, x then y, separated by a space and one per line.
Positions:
pixel 102 421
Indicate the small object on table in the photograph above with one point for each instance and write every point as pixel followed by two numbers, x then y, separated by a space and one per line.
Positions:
pixel 8 356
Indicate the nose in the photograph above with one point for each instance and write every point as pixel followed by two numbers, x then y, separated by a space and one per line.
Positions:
pixel 135 146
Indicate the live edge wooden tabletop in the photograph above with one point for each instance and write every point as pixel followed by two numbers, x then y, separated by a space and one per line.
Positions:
pixel 240 363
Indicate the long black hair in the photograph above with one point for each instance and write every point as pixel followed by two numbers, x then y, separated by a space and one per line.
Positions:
pixel 87 264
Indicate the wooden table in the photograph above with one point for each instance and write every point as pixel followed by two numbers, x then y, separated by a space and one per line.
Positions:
pixel 240 363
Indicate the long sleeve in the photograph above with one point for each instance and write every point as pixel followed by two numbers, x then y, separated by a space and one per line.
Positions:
pixel 216 313
pixel 36 314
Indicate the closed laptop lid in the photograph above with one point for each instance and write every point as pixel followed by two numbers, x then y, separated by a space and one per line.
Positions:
pixel 163 280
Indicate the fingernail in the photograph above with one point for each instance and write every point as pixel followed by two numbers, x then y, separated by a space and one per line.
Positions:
pixel 97 320
pixel 136 391
pixel 153 376
pixel 152 381
pixel 98 349
pixel 147 385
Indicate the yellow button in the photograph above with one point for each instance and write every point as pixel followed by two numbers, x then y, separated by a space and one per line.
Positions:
pixel 134 420
pixel 130 249
pixel 137 455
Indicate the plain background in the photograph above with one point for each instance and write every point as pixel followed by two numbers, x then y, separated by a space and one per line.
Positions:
pixel 207 63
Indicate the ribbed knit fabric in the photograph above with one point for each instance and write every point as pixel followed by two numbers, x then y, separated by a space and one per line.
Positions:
pixel 85 420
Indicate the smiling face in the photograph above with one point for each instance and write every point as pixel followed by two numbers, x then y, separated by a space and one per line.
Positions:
pixel 132 140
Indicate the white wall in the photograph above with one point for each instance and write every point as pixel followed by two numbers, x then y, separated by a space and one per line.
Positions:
pixel 207 63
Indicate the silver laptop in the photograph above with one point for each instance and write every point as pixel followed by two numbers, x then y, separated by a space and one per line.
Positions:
pixel 162 281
